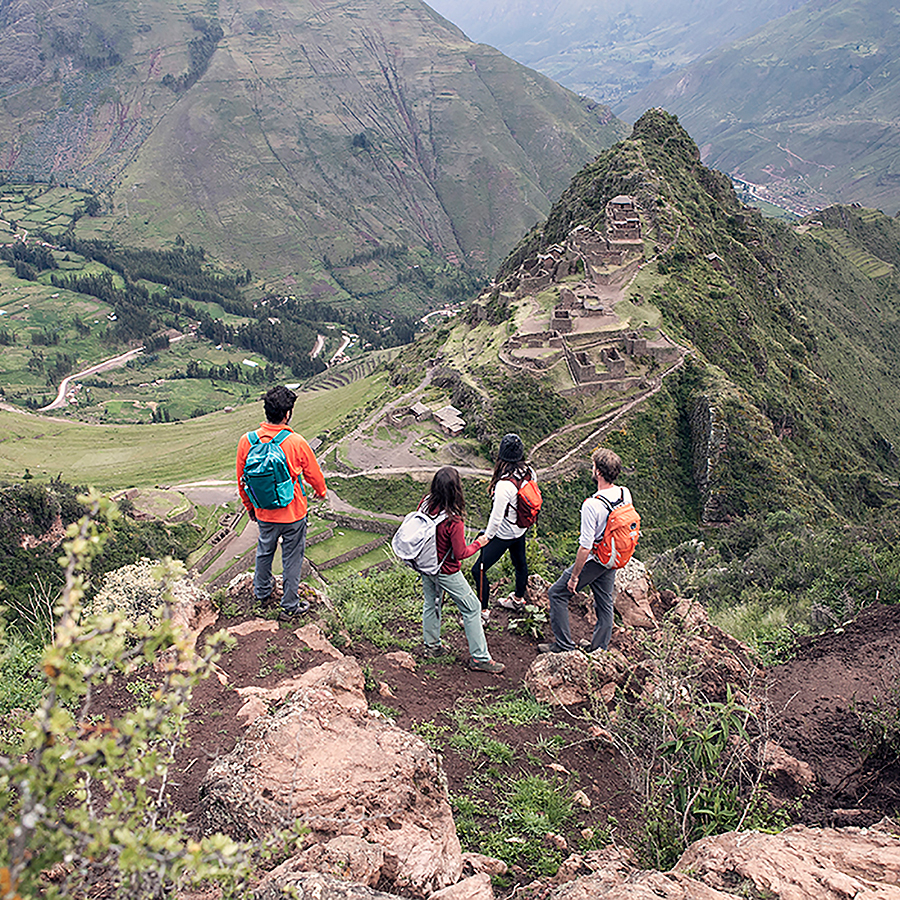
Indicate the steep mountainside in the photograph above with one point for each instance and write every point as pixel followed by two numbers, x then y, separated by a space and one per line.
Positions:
pixel 345 150
pixel 809 105
pixel 790 400
pixel 608 51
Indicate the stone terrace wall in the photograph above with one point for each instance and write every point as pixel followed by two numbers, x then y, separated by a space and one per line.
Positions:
pixel 360 523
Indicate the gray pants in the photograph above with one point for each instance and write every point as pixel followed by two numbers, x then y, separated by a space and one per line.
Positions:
pixel 293 546
pixel 602 581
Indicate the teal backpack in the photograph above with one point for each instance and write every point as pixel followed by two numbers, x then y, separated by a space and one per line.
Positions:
pixel 267 478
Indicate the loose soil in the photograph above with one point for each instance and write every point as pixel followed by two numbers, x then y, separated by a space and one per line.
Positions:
pixel 818 700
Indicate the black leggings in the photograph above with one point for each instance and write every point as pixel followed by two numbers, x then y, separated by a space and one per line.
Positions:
pixel 490 553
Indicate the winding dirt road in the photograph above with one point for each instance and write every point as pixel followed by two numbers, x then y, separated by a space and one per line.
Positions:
pixel 112 363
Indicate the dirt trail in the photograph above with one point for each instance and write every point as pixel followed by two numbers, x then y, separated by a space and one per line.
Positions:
pixel 112 363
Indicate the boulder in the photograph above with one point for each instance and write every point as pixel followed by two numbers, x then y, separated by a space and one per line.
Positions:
pixel 313 886
pixel 346 856
pixel 478 887
pixel 564 679
pixel 632 594
pixel 321 758
pixel 789 776
pixel 720 662
pixel 800 863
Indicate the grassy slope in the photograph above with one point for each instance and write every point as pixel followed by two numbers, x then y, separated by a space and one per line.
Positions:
pixel 116 457
pixel 314 134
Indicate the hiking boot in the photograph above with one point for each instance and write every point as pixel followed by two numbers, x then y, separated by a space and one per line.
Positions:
pixel 512 603
pixel 485 615
pixel 288 615
pixel 486 665
pixel 585 644
pixel 434 650
pixel 550 648
pixel 270 595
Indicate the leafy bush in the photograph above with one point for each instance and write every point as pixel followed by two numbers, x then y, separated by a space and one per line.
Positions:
pixel 692 758
pixel 766 579
pixel 84 797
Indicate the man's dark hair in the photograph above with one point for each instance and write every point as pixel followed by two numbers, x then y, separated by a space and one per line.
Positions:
pixel 278 402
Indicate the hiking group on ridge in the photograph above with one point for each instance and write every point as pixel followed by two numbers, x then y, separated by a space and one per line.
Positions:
pixel 274 461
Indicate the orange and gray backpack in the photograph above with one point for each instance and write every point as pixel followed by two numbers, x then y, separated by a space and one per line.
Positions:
pixel 528 501
pixel 621 534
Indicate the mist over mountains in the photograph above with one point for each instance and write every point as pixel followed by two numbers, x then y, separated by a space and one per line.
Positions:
pixel 364 150
pixel 809 105
pixel 608 51
pixel 800 99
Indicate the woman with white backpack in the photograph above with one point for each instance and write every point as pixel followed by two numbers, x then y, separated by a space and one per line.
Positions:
pixel 446 504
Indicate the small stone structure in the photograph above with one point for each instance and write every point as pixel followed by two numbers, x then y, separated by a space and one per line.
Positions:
pixel 615 364
pixel 561 321
pixel 449 419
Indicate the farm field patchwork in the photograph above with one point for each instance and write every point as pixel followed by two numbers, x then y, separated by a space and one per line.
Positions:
pixel 114 457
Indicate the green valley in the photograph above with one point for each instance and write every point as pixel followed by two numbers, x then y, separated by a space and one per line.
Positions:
pixel 366 155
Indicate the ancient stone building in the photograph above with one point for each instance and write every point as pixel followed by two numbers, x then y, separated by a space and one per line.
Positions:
pixel 623 224
pixel 635 344
pixel 561 320
pixel 614 361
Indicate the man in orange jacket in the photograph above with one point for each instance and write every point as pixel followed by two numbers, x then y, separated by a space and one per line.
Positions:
pixel 288 522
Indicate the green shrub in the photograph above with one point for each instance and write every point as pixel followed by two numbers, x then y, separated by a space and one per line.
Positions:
pixel 88 796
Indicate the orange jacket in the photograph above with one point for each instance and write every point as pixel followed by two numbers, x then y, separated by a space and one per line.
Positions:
pixel 301 461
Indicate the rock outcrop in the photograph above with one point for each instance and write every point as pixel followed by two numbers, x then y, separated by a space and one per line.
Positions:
pixel 373 795
pixel 571 678
pixel 800 863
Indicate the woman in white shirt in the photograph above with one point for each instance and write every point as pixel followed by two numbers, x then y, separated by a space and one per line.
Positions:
pixel 502 531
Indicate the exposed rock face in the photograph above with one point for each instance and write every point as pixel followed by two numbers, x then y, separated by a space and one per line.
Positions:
pixel 799 864
pixel 574 677
pixel 314 886
pixel 323 759
pixel 632 596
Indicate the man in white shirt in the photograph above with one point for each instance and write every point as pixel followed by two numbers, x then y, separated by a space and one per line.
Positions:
pixel 587 569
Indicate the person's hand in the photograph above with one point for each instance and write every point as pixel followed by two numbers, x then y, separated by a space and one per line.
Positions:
pixel 252 514
pixel 572 584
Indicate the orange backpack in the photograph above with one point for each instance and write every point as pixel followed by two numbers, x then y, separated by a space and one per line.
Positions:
pixel 621 534
pixel 528 501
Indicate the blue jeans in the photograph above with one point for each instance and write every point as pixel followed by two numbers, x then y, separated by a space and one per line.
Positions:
pixel 490 553
pixel 293 546
pixel 602 581
pixel 434 586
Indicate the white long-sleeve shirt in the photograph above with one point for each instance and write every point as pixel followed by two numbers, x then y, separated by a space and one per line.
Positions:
pixel 594 514
pixel 502 520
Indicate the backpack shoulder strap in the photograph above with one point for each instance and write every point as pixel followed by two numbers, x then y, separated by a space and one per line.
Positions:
pixel 511 505
pixel 611 504
pixel 253 437
pixel 282 435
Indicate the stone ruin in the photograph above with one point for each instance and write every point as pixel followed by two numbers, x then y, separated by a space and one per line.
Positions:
pixel 607 260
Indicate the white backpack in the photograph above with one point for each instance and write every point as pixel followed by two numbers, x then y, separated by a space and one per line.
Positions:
pixel 415 542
